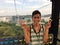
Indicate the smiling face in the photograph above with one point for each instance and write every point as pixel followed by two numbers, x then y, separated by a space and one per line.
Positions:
pixel 36 18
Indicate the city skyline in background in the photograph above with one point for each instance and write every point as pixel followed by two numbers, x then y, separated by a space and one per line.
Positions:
pixel 24 7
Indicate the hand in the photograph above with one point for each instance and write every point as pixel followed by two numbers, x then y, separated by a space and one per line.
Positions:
pixel 23 24
pixel 48 25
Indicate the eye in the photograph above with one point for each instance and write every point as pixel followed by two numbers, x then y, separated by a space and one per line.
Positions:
pixel 37 17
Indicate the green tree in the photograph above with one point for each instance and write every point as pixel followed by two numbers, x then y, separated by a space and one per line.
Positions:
pixel 10 29
pixel 28 20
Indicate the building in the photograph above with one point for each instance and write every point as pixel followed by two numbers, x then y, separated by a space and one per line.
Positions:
pixel 5 18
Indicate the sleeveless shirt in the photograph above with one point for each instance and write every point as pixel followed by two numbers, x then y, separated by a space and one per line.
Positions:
pixel 36 38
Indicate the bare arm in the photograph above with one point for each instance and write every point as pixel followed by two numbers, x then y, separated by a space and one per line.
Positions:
pixel 27 34
pixel 46 35
pixel 46 30
pixel 26 30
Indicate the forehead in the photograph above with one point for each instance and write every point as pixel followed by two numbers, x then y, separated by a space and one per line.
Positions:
pixel 36 15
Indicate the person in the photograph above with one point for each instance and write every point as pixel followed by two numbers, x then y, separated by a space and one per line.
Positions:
pixel 36 33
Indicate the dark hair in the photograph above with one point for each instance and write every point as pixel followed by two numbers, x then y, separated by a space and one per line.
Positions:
pixel 36 12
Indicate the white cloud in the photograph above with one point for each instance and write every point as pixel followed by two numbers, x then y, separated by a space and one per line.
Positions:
pixel 45 5
pixel 39 0
pixel 32 7
pixel 7 12
pixel 12 2
pixel 39 3
pixel 32 0
pixel 46 10
pixel 17 2
pixel 26 11
pixel 2 11
pixel 46 0
pixel 27 8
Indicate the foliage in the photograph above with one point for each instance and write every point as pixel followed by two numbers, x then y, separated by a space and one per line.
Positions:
pixel 28 20
pixel 10 30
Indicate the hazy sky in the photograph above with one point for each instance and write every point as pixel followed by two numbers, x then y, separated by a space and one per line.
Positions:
pixel 24 7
